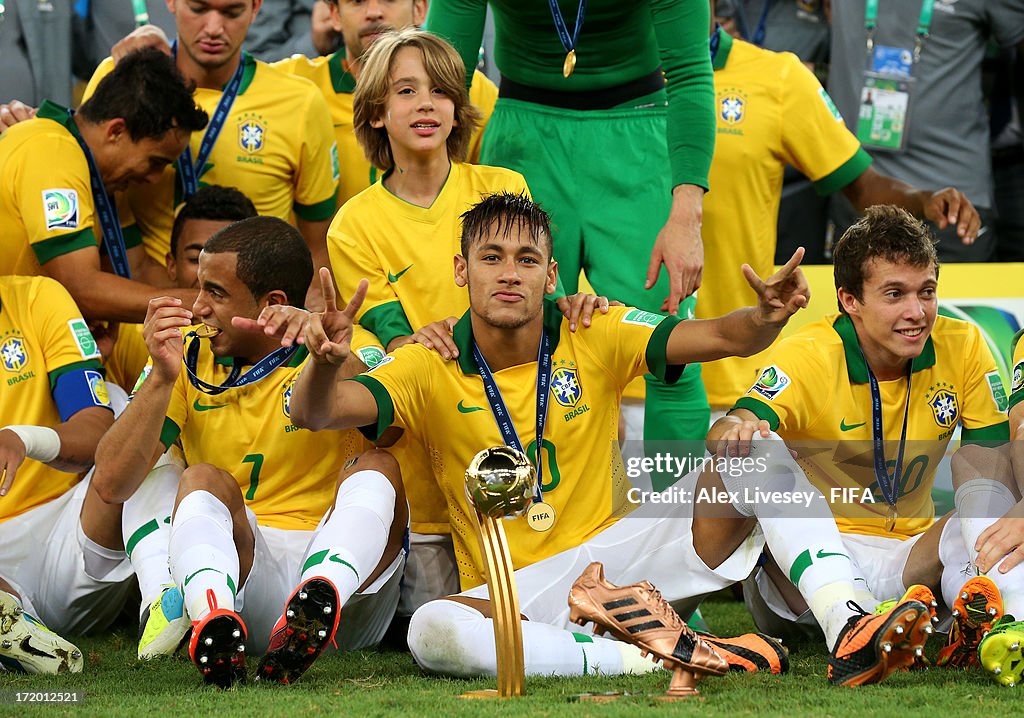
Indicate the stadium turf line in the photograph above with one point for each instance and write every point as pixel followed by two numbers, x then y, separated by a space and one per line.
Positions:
pixel 388 685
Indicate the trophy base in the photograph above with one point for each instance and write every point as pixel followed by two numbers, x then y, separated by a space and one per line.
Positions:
pixel 597 697
pixel 682 687
pixel 485 694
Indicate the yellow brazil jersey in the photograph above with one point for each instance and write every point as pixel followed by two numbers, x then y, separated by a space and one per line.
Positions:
pixel 406 251
pixel 276 146
pixel 443 407
pixel 1017 381
pixel 770 111
pixel 287 475
pixel 815 394
pixel 128 357
pixel 337 85
pixel 46 207
pixel 42 335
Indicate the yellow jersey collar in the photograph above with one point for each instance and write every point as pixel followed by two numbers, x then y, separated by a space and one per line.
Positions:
pixel 855 364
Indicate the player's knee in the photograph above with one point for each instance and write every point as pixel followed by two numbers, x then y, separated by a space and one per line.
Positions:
pixel 209 478
pixel 972 461
pixel 452 639
pixel 379 461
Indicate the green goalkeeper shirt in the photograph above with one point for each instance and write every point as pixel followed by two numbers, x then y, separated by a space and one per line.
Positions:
pixel 619 42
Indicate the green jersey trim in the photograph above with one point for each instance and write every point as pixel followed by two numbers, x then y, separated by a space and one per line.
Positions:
pixel 320 210
pixel 60 371
pixel 169 433
pixel 759 409
pixel 724 48
pixel 63 244
pixel 343 82
pixel 385 407
pixel 856 368
pixel 387 321
pixel 657 352
pixel 462 335
pixel 844 174
pixel 986 435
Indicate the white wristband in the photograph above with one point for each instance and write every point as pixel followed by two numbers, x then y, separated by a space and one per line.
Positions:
pixel 41 442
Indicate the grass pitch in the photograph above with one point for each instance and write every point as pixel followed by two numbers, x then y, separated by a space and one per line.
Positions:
pixel 387 683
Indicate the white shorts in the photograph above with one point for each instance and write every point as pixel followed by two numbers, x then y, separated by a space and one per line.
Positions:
pixel 430 571
pixel 276 569
pixel 44 551
pixel 654 543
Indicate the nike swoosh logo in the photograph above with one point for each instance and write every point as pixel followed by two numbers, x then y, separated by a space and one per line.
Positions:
pixel 463 409
pixel 843 426
pixel 189 578
pixel 825 554
pixel 206 407
pixel 396 277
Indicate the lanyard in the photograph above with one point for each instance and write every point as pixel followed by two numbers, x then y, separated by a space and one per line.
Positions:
pixel 924 24
pixel 188 170
pixel 236 379
pixel 889 485
pixel 106 211
pixel 501 415
pixel 715 41
pixel 759 33
pixel 569 43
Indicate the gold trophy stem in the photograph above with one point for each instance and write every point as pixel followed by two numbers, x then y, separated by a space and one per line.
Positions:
pixel 508 627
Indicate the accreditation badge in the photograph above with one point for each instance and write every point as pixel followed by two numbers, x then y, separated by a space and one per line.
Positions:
pixel 885 99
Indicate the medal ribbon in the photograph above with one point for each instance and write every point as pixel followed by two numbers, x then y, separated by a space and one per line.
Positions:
pixel 500 412
pixel 188 170
pixel 924 24
pixel 569 43
pixel 889 485
pixel 236 379
pixel 106 211
pixel 759 33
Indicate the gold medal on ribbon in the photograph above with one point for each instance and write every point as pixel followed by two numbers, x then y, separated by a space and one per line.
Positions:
pixel 205 331
pixel 570 64
pixel 890 517
pixel 541 516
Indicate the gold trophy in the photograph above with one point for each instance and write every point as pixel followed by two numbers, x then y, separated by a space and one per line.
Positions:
pixel 500 483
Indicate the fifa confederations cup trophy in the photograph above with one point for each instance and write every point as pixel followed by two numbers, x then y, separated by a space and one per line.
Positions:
pixel 501 483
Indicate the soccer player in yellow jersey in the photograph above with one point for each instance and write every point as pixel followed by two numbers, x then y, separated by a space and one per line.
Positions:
pixel 135 125
pixel 61 555
pixel 505 261
pixel 360 24
pixel 275 142
pixel 869 399
pixel 771 111
pixel 249 517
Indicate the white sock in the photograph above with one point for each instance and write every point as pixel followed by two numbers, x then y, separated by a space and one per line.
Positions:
pixel 350 544
pixel 980 503
pixel 457 640
pixel 204 559
pixel 803 539
pixel 146 527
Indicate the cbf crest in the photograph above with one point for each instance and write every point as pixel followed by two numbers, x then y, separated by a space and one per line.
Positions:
pixel 732 107
pixel 286 399
pixel 13 354
pixel 944 405
pixel 252 132
pixel 565 385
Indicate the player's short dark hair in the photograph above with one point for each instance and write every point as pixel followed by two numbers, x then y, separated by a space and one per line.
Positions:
pixel 444 68
pixel 215 203
pixel 147 91
pixel 502 212
pixel 884 232
pixel 271 255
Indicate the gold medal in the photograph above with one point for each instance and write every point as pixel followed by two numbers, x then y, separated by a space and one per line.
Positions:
pixel 890 518
pixel 541 516
pixel 570 64
pixel 205 331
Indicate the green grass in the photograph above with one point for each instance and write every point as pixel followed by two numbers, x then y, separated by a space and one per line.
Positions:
pixel 371 684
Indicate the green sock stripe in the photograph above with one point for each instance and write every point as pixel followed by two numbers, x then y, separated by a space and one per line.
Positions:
pixel 231 585
pixel 584 661
pixel 802 563
pixel 189 578
pixel 314 559
pixel 141 533
pixel 346 563
pixel 582 638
